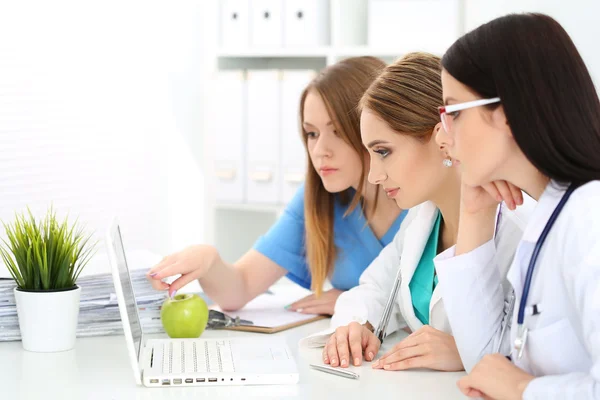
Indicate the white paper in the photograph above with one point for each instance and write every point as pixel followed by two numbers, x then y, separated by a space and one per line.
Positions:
pixel 268 310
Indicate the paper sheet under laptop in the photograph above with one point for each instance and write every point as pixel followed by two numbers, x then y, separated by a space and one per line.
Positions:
pixel 267 310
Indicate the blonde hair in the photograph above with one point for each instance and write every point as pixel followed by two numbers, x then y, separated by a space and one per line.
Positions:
pixel 406 95
pixel 341 86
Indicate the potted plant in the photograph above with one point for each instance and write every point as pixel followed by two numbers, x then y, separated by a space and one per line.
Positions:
pixel 45 260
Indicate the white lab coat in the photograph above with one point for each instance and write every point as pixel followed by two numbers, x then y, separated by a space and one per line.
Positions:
pixel 366 301
pixel 563 345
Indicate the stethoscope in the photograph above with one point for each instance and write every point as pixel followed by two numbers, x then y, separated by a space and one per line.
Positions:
pixel 522 331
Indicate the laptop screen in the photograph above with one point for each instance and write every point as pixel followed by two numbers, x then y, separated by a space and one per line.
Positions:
pixel 131 305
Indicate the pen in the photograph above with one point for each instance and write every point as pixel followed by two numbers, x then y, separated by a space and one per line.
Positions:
pixel 509 313
pixel 387 312
pixel 336 371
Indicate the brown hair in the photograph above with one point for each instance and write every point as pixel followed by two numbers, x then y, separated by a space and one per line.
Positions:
pixel 341 86
pixel 406 95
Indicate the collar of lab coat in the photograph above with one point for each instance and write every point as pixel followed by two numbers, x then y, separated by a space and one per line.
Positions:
pixel 416 238
pixel 542 212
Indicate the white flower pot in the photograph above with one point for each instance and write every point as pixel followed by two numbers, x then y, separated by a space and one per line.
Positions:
pixel 48 320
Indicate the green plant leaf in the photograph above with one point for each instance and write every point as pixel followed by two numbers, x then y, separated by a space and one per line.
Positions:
pixel 48 254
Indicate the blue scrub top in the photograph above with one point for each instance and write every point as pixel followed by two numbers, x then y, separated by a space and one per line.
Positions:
pixel 356 244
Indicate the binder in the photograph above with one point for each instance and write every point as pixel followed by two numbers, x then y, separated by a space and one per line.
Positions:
pixel 349 22
pixel 293 153
pixel 306 23
pixel 263 150
pixel 228 133
pixel 266 23
pixel 235 23
pixel 390 20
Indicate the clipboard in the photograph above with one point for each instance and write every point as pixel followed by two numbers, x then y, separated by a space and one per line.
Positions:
pixel 268 314
pixel 274 329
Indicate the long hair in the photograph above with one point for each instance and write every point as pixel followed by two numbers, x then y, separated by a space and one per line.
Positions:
pixel 550 102
pixel 341 86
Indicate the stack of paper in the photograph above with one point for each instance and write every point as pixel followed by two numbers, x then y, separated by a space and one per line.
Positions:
pixel 99 312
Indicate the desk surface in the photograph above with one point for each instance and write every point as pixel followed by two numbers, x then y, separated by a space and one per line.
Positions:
pixel 98 368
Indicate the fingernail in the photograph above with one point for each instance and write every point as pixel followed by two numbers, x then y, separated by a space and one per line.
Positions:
pixel 333 361
pixel 371 355
pixel 344 362
pixel 299 310
pixel 154 274
pixel 172 294
pixel 386 367
pixel 356 361
pixel 376 364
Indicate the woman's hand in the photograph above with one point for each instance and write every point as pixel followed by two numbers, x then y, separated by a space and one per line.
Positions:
pixel 494 377
pixel 425 348
pixel 350 343
pixel 478 212
pixel 475 199
pixel 324 304
pixel 192 263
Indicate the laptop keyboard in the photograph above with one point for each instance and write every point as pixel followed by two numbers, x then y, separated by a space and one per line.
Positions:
pixel 197 356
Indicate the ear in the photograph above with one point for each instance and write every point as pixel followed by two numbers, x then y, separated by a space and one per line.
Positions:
pixel 439 137
pixel 500 121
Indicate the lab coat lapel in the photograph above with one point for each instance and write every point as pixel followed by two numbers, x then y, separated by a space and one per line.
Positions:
pixel 537 221
pixel 415 240
pixel 435 297
pixel 541 214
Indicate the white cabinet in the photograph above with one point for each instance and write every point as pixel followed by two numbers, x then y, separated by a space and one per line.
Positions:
pixel 262 151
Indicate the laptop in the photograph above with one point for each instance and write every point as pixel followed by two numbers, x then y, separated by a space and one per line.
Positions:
pixel 194 362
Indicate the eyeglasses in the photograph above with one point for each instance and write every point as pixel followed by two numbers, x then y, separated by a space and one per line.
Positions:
pixel 449 112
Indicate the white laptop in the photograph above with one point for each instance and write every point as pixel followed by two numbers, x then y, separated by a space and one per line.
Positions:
pixel 194 362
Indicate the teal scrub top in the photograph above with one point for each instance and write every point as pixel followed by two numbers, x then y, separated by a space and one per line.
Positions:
pixel 424 280
pixel 356 244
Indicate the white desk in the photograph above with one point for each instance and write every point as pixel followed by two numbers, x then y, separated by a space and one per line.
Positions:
pixel 98 368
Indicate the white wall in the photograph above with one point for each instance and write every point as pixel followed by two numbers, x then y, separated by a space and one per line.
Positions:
pixel 580 18
pixel 100 114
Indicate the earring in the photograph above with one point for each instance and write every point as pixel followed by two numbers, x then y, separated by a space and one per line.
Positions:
pixel 447 162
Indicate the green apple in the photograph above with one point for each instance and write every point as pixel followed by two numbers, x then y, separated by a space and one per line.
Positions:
pixel 184 316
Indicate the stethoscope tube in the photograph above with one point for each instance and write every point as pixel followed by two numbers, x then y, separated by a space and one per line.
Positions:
pixel 522 331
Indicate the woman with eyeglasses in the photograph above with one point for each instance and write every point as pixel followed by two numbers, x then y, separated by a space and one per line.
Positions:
pixel 521 107
pixel 399 122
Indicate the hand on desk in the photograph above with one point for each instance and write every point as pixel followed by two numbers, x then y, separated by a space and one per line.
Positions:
pixel 352 340
pixel 494 377
pixel 425 348
pixel 324 304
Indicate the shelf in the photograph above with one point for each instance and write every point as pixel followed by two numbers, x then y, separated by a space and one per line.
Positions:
pixel 271 208
pixel 357 51
pixel 314 52
pixel 318 52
